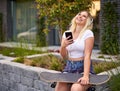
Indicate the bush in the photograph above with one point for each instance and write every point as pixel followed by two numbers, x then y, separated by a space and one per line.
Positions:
pixel 48 62
pixel 41 36
pixel 110 36
pixel 104 66
pixel 114 83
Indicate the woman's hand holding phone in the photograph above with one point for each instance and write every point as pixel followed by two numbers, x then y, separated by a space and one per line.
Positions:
pixel 68 40
pixel 69 37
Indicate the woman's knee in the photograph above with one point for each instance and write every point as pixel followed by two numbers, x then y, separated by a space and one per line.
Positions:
pixel 61 86
pixel 78 87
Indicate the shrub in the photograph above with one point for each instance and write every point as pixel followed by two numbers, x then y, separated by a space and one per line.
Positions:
pixel 114 83
pixel 110 36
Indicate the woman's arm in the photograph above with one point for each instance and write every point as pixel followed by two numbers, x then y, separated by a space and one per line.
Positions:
pixel 65 42
pixel 88 50
pixel 63 50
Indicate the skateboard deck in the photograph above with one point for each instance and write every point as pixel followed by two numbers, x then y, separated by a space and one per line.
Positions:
pixel 72 77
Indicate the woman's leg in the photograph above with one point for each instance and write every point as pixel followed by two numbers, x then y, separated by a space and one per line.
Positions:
pixel 62 87
pixel 79 87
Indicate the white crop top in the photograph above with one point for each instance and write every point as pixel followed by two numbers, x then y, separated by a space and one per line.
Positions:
pixel 76 49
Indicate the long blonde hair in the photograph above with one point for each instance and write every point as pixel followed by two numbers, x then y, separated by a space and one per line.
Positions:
pixel 88 25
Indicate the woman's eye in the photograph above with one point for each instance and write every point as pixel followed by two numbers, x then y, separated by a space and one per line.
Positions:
pixel 84 16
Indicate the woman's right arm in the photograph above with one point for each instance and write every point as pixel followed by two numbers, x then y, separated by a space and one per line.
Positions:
pixel 63 50
pixel 65 42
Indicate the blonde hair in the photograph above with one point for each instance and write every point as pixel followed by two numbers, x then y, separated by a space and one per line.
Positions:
pixel 88 25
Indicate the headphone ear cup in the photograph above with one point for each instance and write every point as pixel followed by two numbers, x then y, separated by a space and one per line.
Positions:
pixel 91 21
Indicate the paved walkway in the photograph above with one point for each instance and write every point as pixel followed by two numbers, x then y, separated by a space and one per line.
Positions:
pixel 96 56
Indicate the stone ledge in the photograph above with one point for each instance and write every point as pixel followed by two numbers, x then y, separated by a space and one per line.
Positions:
pixel 22 77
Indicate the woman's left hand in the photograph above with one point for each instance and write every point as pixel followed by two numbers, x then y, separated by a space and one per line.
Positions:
pixel 84 80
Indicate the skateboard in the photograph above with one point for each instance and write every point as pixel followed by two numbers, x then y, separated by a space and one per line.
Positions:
pixel 72 78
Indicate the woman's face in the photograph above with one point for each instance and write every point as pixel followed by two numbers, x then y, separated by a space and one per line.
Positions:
pixel 81 18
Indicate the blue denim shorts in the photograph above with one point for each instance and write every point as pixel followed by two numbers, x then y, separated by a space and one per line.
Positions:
pixel 76 67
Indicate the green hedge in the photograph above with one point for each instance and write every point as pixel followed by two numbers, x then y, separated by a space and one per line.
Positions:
pixel 110 36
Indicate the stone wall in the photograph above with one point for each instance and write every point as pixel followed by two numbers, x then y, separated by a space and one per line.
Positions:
pixel 19 77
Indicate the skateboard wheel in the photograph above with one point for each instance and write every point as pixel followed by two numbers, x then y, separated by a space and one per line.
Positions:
pixel 53 85
pixel 91 89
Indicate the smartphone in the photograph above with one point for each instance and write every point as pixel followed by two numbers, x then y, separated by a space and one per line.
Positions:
pixel 68 34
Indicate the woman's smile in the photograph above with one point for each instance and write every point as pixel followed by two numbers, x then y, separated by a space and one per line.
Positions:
pixel 81 18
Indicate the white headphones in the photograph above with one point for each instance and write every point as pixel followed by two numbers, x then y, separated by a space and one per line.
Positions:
pixel 91 21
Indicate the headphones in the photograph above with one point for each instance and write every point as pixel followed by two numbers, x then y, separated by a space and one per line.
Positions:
pixel 91 21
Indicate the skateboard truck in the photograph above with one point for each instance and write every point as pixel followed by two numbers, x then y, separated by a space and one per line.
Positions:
pixel 53 85
pixel 92 88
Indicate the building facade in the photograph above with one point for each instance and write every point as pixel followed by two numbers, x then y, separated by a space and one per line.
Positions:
pixel 19 21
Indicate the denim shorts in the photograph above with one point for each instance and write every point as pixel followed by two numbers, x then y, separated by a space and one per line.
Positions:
pixel 76 67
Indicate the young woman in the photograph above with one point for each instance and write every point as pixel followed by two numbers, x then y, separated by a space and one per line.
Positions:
pixel 78 52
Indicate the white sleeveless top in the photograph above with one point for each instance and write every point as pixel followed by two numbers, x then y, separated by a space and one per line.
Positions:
pixel 76 49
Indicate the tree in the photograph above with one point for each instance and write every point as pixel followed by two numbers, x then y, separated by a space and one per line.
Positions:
pixel 41 36
pixel 59 13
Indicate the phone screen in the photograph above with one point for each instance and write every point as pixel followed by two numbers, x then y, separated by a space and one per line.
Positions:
pixel 68 34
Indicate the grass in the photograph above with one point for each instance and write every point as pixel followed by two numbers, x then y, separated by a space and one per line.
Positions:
pixel 48 62
pixel 104 66
pixel 52 62
pixel 18 52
